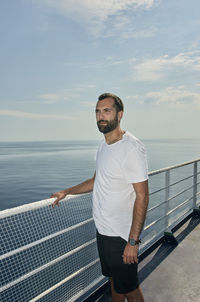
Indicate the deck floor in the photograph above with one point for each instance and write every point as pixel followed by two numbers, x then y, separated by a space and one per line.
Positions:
pixel 172 273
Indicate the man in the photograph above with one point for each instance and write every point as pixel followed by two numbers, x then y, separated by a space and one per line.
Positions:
pixel 120 199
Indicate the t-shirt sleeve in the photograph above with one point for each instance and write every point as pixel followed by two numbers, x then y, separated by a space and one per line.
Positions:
pixel 134 166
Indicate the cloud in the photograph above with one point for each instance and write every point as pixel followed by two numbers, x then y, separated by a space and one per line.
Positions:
pixel 89 104
pixel 124 28
pixel 21 114
pixel 156 69
pixel 132 97
pixel 99 15
pixel 103 64
pixel 65 94
pixel 176 97
pixel 89 9
pixel 50 98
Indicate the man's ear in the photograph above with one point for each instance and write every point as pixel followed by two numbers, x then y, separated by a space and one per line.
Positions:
pixel 120 115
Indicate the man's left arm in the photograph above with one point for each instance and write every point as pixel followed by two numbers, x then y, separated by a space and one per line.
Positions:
pixel 130 254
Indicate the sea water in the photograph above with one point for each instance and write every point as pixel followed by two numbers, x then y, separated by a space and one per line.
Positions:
pixel 32 171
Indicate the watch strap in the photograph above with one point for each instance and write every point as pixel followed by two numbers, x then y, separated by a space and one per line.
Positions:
pixel 133 241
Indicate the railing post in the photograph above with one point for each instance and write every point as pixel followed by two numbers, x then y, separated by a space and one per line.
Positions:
pixel 167 182
pixel 168 235
pixel 195 185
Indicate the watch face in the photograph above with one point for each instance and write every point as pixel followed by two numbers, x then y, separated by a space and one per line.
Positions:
pixel 131 241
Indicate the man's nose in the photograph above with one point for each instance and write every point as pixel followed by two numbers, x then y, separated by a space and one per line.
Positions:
pixel 100 116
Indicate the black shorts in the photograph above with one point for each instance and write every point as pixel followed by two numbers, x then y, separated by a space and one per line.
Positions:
pixel 125 276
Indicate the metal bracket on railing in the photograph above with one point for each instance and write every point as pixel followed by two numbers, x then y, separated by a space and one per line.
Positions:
pixel 170 238
pixel 196 212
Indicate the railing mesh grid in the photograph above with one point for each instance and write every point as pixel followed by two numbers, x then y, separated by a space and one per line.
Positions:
pixel 50 255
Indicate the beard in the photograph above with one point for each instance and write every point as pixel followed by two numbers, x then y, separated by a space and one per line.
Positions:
pixel 110 125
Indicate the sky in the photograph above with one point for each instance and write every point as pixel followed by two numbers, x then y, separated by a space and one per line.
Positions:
pixel 58 56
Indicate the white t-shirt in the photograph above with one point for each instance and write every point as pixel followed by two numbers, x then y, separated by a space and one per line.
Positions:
pixel 118 166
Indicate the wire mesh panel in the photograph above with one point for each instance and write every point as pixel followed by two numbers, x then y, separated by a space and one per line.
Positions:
pixel 42 246
pixel 50 255
pixel 172 194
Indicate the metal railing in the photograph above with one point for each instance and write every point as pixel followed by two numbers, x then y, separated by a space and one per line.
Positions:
pixel 50 254
pixel 178 196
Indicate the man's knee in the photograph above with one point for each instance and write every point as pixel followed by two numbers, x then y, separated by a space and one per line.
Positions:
pixel 135 295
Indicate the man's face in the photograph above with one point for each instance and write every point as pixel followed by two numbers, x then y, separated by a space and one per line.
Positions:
pixel 106 115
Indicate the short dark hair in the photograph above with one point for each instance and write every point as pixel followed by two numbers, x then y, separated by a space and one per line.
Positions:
pixel 118 102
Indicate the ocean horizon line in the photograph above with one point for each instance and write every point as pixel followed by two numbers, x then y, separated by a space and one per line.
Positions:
pixel 96 140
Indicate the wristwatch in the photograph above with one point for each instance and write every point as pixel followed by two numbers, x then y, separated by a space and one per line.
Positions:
pixel 133 241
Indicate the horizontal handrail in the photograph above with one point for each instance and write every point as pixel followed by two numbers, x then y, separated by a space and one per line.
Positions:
pixel 170 185
pixel 48 202
pixel 39 269
pixel 162 217
pixel 34 243
pixel 35 205
pixel 179 181
pixel 157 191
pixel 179 206
pixel 28 271
pixel 179 193
pixel 173 167
pixel 154 222
pixel 170 198
pixel 65 280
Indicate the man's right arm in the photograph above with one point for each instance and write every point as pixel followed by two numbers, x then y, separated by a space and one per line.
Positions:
pixel 84 187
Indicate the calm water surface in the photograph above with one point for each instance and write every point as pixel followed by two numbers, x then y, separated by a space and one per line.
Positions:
pixel 31 171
